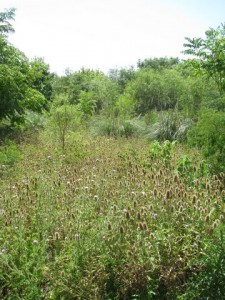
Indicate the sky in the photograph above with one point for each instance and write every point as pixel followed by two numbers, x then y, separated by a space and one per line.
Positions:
pixel 106 34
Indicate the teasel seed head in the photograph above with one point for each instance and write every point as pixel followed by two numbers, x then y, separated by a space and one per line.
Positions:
pixel 194 199
pixel 175 178
pixel 151 207
pixel 207 218
pixel 139 216
pixel 121 230
pixel 145 226
pixel 208 187
pixel 168 193
pixel 140 225
pixel 127 215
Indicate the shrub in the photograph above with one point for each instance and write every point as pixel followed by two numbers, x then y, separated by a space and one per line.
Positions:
pixel 170 125
pixel 117 127
pixel 209 135
pixel 64 119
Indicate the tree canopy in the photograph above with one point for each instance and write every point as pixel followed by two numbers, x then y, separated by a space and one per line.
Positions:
pixel 23 84
pixel 5 18
pixel 209 55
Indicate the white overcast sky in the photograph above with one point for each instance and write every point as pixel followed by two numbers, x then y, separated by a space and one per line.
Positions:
pixel 104 34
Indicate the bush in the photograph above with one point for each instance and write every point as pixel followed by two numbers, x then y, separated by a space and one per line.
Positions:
pixel 209 283
pixel 209 135
pixel 156 90
pixel 64 119
pixel 170 125
pixel 118 127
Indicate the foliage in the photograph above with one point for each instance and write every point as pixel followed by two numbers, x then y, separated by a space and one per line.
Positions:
pixel 17 93
pixel 190 171
pixel 75 85
pixel 86 104
pixel 125 106
pixel 162 151
pixel 153 90
pixel 41 78
pixel 169 125
pixel 158 63
pixel 208 134
pixel 209 284
pixel 63 119
pixel 210 56
pixel 122 77
pixel 5 18
pixel 116 126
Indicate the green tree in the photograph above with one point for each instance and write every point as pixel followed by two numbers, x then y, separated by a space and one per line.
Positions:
pixel 209 55
pixel 86 82
pixel 122 77
pixel 158 63
pixel 16 91
pixel 41 77
pixel 156 90
pixel 19 89
pixel 63 119
pixel 5 18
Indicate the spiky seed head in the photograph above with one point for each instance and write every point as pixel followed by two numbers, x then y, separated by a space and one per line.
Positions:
pixel 141 226
pixel 139 216
pixel 194 199
pixel 167 194
pixel 207 219
pixel 127 215
pixel 145 226
pixel 155 192
pixel 121 230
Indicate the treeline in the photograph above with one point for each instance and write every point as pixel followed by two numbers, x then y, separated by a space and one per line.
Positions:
pixel 161 98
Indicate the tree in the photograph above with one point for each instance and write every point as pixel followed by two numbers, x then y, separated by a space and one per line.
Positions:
pixel 22 84
pixel 209 55
pixel 86 82
pixel 122 77
pixel 6 16
pixel 153 90
pixel 41 77
pixel 17 93
pixel 158 63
